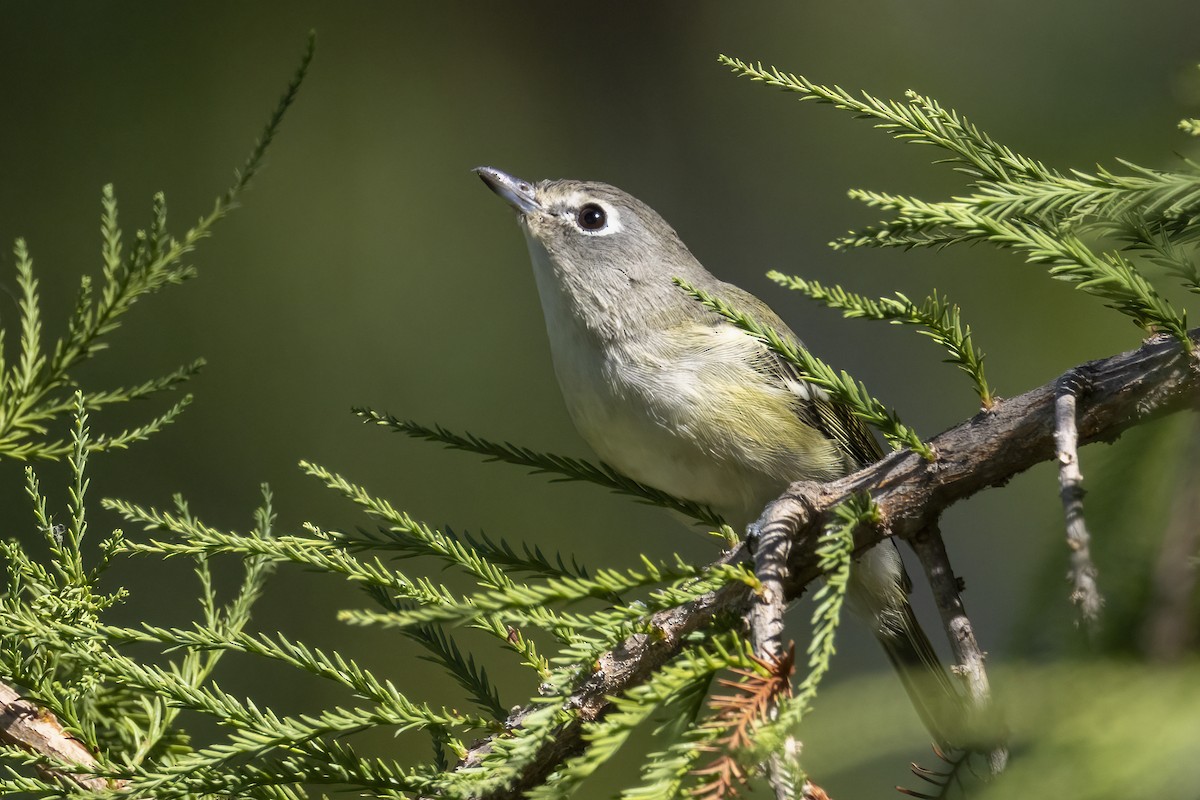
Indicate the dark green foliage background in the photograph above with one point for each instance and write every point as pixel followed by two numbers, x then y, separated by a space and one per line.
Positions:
pixel 369 267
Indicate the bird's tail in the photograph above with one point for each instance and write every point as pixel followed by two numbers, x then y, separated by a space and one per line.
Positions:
pixel 935 697
pixel 878 592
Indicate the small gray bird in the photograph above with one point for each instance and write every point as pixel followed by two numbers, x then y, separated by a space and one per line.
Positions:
pixel 674 396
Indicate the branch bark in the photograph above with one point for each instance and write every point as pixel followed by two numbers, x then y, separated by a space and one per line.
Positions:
pixel 39 732
pixel 985 719
pixel 770 548
pixel 1085 592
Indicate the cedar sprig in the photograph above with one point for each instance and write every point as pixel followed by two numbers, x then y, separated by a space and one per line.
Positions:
pixel 754 695
pixel 921 120
pixel 1018 203
pixel 316 550
pixel 564 468
pixel 940 320
pixel 1109 276
pixel 525 557
pixel 36 390
pixel 690 581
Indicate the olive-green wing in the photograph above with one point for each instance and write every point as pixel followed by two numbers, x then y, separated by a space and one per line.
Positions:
pixel 835 420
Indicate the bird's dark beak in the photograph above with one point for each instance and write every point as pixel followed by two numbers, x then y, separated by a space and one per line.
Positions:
pixel 516 192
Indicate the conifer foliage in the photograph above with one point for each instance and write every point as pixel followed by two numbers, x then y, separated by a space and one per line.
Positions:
pixel 129 695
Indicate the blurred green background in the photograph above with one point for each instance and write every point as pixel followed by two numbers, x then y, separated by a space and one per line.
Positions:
pixel 369 267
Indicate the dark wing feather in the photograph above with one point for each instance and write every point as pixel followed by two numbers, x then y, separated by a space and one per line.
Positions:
pixel 839 423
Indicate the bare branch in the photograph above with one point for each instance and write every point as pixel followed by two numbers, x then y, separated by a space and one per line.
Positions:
pixel 986 727
pixel 771 545
pixel 1084 591
pixel 39 732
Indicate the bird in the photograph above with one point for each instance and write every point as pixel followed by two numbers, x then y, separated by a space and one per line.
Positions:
pixel 674 396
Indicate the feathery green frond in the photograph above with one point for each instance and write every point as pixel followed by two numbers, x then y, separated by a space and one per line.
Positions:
pixel 1159 245
pixel 417 537
pixel 531 559
pixel 664 772
pixel 331 667
pixel 32 359
pixel 420 538
pixel 528 597
pixel 254 161
pixel 920 120
pixel 1018 203
pixel 507 755
pixel 940 319
pixel 196 538
pixel 1109 276
pixel 320 551
pixel 256 732
pixel 35 391
pixel 225 624
pixel 315 763
pixel 1155 194
pixel 142 390
pixel 444 651
pixel 566 468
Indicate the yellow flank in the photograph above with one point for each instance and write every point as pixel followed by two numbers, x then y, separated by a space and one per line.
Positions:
pixel 758 422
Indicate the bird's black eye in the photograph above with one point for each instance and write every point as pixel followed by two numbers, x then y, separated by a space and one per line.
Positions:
pixel 591 217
